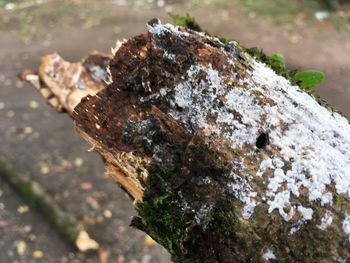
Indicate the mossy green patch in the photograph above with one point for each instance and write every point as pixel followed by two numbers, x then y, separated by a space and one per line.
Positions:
pixel 186 21
pixel 161 213
pixel 38 198
pixel 185 217
pixel 275 61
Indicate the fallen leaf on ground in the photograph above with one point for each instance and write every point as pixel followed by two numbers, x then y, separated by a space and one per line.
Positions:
pixel 102 256
pixel 33 104
pixel 89 220
pixel 44 169
pixel 78 162
pixel 85 243
pixel 27 130
pixel 21 248
pixel 37 254
pixel 86 186
pixel 23 209
pixel 107 213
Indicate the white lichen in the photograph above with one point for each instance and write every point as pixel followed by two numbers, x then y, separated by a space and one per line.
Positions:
pixel 269 255
pixel 326 221
pixel 99 74
pixel 202 213
pixel 316 142
pixel 159 30
pixel 264 166
pixel 117 46
pixel 346 225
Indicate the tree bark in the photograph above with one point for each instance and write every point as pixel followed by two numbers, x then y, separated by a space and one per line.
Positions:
pixel 226 160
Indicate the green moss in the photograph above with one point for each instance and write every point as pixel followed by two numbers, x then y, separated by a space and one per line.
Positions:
pixel 160 210
pixel 165 216
pixel 339 200
pixel 186 21
pixel 165 220
pixel 275 61
pixel 172 218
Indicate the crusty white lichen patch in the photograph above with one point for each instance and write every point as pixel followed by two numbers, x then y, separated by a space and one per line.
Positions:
pixel 326 221
pixel 315 144
pixel 269 255
pixel 117 46
pixel 340 260
pixel 346 225
pixel 311 143
pixel 158 29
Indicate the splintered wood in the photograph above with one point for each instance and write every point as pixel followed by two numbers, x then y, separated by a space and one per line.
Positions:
pixel 64 84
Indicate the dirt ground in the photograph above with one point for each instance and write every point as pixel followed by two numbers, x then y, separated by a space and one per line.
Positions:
pixel 39 141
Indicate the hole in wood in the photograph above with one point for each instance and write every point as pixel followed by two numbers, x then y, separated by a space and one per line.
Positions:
pixel 263 140
pixel 179 108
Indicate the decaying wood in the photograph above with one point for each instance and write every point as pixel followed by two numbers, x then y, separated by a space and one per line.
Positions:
pixel 227 161
pixel 64 84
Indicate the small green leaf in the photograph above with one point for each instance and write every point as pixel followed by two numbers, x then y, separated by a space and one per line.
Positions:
pixel 309 79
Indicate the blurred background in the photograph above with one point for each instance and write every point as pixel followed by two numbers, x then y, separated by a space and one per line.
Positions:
pixel 38 141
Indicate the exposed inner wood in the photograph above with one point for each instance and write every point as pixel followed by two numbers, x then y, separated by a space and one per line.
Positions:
pixel 64 84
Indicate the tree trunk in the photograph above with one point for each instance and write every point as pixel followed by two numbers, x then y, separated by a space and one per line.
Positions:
pixel 226 160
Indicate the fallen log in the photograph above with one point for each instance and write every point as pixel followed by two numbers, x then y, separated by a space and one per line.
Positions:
pixel 37 197
pixel 225 159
